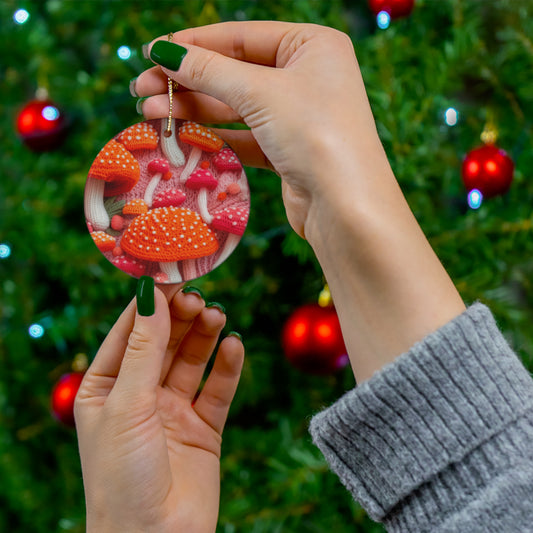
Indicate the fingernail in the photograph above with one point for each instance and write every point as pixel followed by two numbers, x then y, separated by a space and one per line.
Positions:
pixel 167 54
pixel 216 305
pixel 146 50
pixel 133 92
pixel 192 290
pixel 235 334
pixel 145 296
pixel 139 105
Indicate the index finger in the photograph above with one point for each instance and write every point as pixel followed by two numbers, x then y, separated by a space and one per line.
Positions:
pixel 251 41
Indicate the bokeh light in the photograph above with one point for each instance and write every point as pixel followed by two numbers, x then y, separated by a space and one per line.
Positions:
pixel 36 331
pixel 21 16
pixel 383 20
pixel 5 251
pixel 451 116
pixel 124 52
pixel 475 199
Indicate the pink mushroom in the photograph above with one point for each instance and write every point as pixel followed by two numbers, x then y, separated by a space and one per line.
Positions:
pixel 172 197
pixel 202 180
pixel 160 169
pixel 226 161
pixel 130 266
pixel 231 220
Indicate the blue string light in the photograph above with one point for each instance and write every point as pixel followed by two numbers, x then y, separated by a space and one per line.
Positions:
pixel 475 199
pixel 50 112
pixel 5 251
pixel 36 331
pixel 383 20
pixel 124 52
pixel 21 16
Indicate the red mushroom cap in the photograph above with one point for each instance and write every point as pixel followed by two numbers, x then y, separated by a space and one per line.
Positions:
pixel 115 165
pixel 226 159
pixel 169 234
pixel 172 197
pixel 130 266
pixel 158 166
pixel 231 219
pixel 201 178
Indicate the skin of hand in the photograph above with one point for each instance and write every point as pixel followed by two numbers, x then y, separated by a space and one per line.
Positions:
pixel 299 89
pixel 149 445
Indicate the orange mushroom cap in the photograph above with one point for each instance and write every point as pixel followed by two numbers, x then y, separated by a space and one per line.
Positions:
pixel 200 136
pixel 103 240
pixel 169 234
pixel 137 206
pixel 115 165
pixel 141 136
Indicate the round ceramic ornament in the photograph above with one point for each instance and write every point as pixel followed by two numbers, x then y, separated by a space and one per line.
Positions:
pixel 166 199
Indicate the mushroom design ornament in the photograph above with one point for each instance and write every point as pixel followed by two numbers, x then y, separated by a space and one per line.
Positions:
pixel 151 210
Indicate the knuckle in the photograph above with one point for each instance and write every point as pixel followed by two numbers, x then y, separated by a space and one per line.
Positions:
pixel 200 67
pixel 138 344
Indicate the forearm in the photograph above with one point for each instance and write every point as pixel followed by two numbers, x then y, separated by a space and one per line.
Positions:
pixel 388 285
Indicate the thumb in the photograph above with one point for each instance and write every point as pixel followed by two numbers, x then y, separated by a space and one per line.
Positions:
pixel 140 370
pixel 229 80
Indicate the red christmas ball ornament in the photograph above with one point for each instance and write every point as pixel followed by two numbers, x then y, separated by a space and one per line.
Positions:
pixel 395 8
pixel 488 169
pixel 41 125
pixel 63 395
pixel 312 340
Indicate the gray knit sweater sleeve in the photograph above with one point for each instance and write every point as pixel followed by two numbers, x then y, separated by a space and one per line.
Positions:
pixel 440 440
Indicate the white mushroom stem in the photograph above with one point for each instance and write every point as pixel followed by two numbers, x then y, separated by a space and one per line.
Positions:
pixel 171 270
pixel 194 157
pixel 231 243
pixel 189 269
pixel 169 145
pixel 202 206
pixel 95 211
pixel 151 187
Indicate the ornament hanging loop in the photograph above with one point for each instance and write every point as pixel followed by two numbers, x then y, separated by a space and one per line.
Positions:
pixel 172 86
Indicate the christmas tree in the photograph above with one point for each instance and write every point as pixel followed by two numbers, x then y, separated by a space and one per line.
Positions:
pixel 436 78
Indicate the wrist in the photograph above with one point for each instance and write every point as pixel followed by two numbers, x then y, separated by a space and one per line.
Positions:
pixel 388 285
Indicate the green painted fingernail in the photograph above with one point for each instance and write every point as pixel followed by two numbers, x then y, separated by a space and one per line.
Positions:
pixel 235 334
pixel 146 50
pixel 167 54
pixel 133 92
pixel 218 306
pixel 192 290
pixel 145 296
pixel 139 105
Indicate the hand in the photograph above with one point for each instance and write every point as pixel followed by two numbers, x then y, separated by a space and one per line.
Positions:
pixel 305 115
pixel 299 89
pixel 149 452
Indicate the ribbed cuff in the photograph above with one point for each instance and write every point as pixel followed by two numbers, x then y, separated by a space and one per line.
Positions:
pixel 430 428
